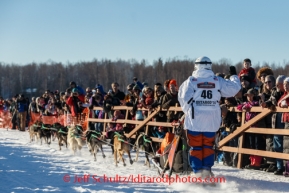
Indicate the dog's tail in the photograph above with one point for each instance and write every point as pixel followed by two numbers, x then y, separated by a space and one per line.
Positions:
pixel 136 144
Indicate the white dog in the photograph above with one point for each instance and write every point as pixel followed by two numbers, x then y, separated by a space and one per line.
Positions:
pixel 75 138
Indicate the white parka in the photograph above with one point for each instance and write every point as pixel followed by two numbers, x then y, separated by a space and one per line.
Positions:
pixel 199 98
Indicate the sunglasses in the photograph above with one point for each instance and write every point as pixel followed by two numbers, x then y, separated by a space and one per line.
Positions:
pixel 268 82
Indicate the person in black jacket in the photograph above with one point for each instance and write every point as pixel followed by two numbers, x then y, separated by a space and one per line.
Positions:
pixel 276 94
pixel 229 122
pixel 116 92
pixel 109 102
pixel 22 109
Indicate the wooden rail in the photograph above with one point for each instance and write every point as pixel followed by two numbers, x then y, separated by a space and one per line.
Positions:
pixel 245 128
pixel 239 132
pixel 138 124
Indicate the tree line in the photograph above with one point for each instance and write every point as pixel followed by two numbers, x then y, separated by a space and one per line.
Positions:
pixel 33 79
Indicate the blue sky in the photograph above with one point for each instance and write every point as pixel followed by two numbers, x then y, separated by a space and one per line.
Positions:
pixel 73 31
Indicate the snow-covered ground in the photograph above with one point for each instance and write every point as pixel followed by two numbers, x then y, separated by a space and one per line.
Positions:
pixel 31 167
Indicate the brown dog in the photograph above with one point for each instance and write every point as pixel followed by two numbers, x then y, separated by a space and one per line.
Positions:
pixel 120 146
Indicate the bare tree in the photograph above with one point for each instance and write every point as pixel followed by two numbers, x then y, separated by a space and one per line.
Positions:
pixel 51 75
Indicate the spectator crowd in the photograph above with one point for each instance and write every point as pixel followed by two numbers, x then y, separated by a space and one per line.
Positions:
pixel 262 88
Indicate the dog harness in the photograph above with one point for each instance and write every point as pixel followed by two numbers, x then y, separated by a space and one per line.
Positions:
pixel 119 137
pixel 95 136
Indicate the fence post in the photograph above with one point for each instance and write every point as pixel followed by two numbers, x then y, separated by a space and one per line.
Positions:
pixel 104 123
pixel 143 122
pixel 147 127
pixel 240 145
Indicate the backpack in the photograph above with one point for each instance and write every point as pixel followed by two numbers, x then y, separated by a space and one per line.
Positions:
pixel 181 163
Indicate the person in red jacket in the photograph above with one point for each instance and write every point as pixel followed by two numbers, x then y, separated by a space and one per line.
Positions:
pixel 248 71
pixel 75 101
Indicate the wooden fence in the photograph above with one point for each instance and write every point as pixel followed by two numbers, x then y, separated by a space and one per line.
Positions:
pixel 239 132
pixel 146 123
pixel 245 128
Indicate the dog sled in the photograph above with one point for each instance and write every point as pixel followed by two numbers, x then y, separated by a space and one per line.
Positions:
pixel 172 157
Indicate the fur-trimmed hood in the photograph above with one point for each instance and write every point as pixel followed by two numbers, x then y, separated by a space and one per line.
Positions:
pixel 264 70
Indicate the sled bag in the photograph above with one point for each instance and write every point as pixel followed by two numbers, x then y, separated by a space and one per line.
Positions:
pixel 166 141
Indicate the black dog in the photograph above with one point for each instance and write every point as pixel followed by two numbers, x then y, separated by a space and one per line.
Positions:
pixel 45 132
pixel 94 141
pixel 146 143
pixel 60 132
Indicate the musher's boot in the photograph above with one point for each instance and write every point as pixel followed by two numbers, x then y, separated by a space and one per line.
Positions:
pixel 208 178
pixel 197 177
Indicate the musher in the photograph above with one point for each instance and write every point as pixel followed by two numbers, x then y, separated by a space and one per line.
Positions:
pixel 199 98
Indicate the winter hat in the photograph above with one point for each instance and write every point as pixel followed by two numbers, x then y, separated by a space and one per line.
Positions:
pixel 173 81
pixel 72 83
pixel 75 90
pixel 264 70
pixel 100 88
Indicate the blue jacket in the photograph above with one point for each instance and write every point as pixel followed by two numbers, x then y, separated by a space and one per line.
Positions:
pixel 80 90
pixel 139 84
pixel 100 87
pixel 22 106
